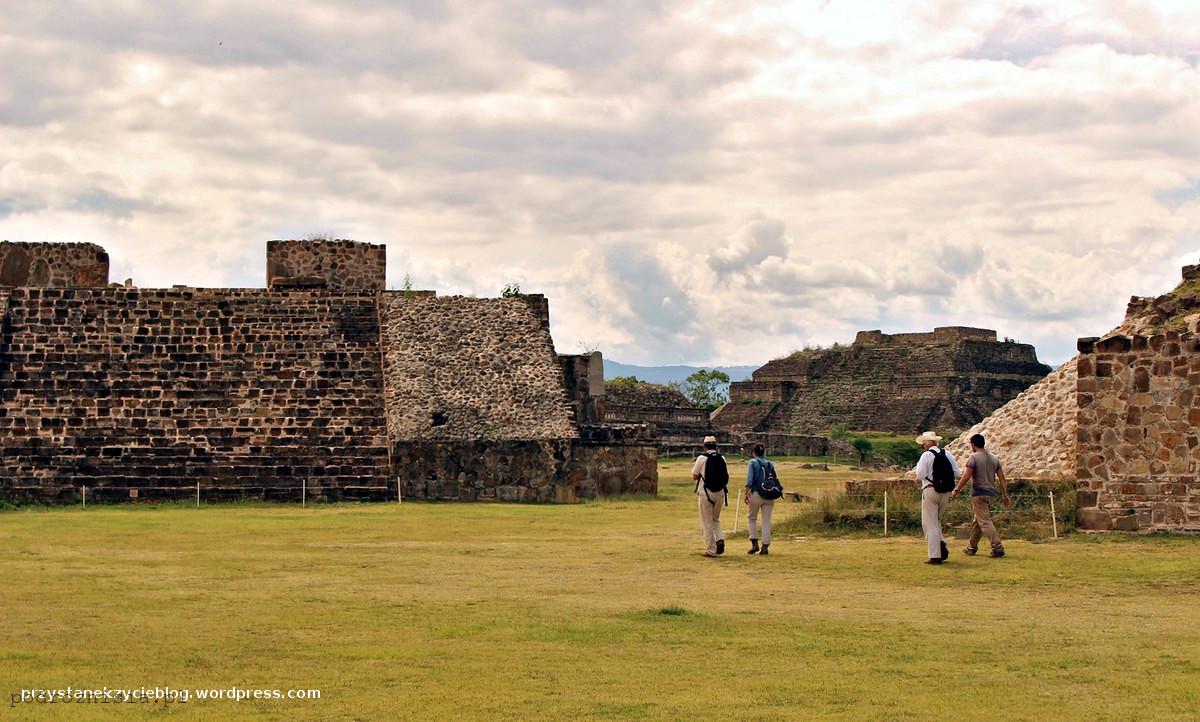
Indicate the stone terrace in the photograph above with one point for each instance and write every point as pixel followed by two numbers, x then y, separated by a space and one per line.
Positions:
pixel 242 390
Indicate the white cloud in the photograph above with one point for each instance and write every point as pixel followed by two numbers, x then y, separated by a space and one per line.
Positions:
pixel 689 181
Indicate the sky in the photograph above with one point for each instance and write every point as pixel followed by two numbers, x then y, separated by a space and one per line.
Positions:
pixel 689 182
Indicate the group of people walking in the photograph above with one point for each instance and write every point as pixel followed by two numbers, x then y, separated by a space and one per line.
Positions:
pixel 938 474
pixel 711 474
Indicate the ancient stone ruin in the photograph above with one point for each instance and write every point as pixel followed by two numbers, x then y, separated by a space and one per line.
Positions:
pixel 677 423
pixel 950 378
pixel 1121 418
pixel 52 264
pixel 324 384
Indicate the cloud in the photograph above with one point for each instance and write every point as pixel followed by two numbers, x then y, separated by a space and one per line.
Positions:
pixel 757 241
pixel 689 182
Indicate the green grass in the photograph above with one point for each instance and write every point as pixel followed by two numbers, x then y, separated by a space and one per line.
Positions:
pixel 604 610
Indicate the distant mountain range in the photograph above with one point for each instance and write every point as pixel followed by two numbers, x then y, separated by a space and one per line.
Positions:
pixel 668 374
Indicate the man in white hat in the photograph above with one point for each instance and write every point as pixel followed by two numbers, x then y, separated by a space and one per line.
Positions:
pixel 936 471
pixel 712 491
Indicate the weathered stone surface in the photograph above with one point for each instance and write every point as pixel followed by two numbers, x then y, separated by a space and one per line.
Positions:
pixel 586 391
pixel 53 265
pixel 1034 434
pixel 1093 519
pixel 950 378
pixel 471 369
pixel 678 424
pixel 1127 427
pixel 265 393
pixel 249 390
pixel 337 265
pixel 1138 439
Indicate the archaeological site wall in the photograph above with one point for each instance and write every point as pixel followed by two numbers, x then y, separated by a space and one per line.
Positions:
pixel 322 383
pixel 336 265
pixel 53 265
pixel 677 423
pixel 480 406
pixel 1121 418
pixel 950 378
pixel 1139 432
pixel 245 392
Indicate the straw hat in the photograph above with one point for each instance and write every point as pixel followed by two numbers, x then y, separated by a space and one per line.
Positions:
pixel 928 436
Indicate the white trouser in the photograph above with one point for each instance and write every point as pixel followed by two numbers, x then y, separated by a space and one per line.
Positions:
pixel 932 506
pixel 710 504
pixel 767 506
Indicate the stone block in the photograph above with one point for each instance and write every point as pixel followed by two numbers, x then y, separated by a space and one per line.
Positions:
pixel 1127 522
pixel 1092 519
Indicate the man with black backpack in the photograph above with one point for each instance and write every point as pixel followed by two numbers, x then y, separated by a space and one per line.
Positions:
pixel 936 471
pixel 711 475
pixel 762 489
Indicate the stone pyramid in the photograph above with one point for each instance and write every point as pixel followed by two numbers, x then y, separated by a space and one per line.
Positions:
pixel 1035 433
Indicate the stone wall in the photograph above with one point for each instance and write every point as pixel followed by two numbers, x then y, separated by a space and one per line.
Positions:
pixel 584 377
pixel 316 384
pixel 941 334
pixel 53 265
pixel 677 423
pixel 1138 436
pixel 1035 433
pixel 604 461
pixel 335 265
pixel 948 379
pixel 471 369
pixel 246 392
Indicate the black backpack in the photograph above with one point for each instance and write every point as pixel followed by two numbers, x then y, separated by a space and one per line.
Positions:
pixel 769 487
pixel 716 473
pixel 943 472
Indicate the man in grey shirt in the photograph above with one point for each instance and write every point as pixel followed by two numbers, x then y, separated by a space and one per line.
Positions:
pixel 983 469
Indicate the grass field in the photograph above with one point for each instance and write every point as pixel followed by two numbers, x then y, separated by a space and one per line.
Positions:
pixel 603 610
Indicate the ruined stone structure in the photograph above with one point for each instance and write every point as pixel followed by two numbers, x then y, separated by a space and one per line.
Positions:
pixel 678 424
pixel 1035 432
pixel 950 378
pixel 1121 418
pixel 52 265
pixel 323 383
pixel 1139 432
pixel 336 265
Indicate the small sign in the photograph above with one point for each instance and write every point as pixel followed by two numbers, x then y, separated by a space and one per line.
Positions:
pixel 133 493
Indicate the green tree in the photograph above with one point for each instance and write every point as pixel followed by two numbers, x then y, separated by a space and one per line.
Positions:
pixel 863 446
pixel 512 290
pixel 705 388
pixel 623 381
pixel 839 432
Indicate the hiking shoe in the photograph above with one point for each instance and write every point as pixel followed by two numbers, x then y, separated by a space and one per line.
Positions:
pixel 753 546
pixel 997 553
pixel 969 551
pixel 764 552
pixel 934 560
pixel 945 551
pixel 720 547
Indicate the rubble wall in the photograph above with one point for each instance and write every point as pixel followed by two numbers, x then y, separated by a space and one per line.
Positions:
pixel 53 265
